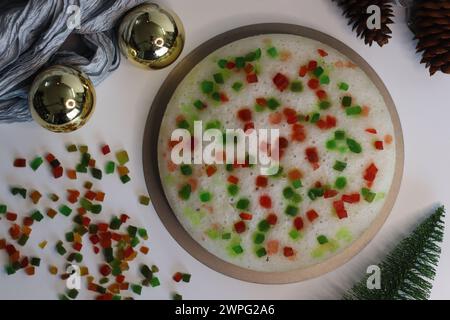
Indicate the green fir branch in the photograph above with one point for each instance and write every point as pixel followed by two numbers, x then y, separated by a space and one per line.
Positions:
pixel 408 271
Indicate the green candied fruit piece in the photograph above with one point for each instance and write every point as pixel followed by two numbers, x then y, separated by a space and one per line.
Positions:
pixel 344 234
pixel 294 234
pixel 240 62
pixel 69 236
pixel 259 108
pixel 222 63
pixel 296 86
pixel 136 289
pixel 37 216
pixel 318 71
pixel 186 277
pixel 339 135
pixel 199 105
pixel 324 105
pixel 368 195
pixel 96 173
pixel 297 184
pixel 3 208
pixel 251 56
pixel 353 111
pixel 35 261
pixel 205 196
pixel 144 200
pixel 263 226
pixel 258 53
pixel 19 191
pixel 207 87
pixel 71 148
pixel 324 79
pixel 288 193
pixel 183 124
pixel 110 167
pixel 83 148
pixel 331 144
pixel 23 240
pixel 339 166
pixel 341 183
pixel 297 198
pixel 60 248
pixel 96 208
pixel 122 157
pixel 85 204
pixel 186 170
pixel 322 239
pixel 272 52
pixel 291 210
pixel 212 234
pixel 315 117
pixel 218 78
pixel 315 193
pixel 125 179
pixel 213 124
pixel 347 101
pixel 343 86
pixel 36 163
pixel 132 230
pixel 237 86
pixel 85 157
pixel 354 146
pixel 233 189
pixel 237 249
pixel 259 238
pixel 185 191
pixel 226 236
pixel 65 210
pixel 81 168
pixel 243 204
pixel 261 252
pixel 215 96
pixel 273 103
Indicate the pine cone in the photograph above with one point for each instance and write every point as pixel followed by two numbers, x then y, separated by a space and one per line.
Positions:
pixel 430 22
pixel 356 12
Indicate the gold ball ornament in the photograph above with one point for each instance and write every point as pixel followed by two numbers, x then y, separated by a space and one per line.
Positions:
pixel 61 99
pixel 151 37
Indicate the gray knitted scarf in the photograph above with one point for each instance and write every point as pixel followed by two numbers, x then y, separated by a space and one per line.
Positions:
pixel 37 33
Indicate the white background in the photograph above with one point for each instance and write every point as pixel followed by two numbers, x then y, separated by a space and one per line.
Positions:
pixel 124 100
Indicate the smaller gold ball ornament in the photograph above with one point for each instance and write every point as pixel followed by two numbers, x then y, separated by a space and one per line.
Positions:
pixel 151 37
pixel 61 99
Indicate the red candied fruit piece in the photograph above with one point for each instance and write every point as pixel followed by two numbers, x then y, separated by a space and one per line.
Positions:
pixel 312 65
pixel 298 223
pixel 20 163
pixel 330 193
pixel 233 179
pixel 322 52
pixel 288 252
pixel 177 277
pixel 105 270
pixel 312 215
pixel 298 132
pixel 248 126
pixel 261 181
pixel 281 81
pixel 245 216
pixel 272 219
pixel 240 226
pixel 58 172
pixel 379 145
pixel 312 155
pixel 265 201
pixel 106 149
pixel 321 94
pixel 313 84
pixel 351 198
pixel 303 71
pixel 371 172
pixel 340 209
pixel 252 78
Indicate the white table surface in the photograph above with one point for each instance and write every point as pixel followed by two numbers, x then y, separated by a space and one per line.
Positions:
pixel 124 100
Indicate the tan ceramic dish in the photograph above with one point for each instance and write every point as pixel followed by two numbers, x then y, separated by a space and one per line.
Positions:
pixel 153 181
